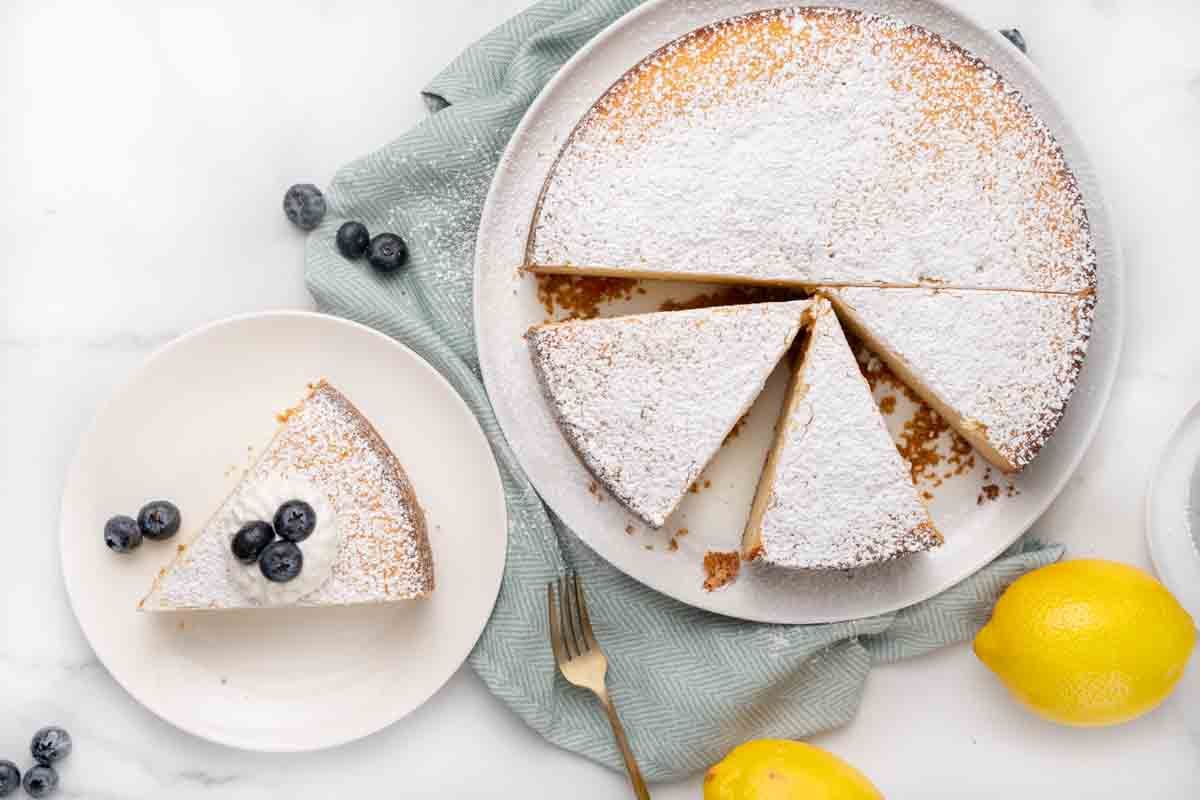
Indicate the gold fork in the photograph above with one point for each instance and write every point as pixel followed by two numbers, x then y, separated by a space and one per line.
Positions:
pixel 582 663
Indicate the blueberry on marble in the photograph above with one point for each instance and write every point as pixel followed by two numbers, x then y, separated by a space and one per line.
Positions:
pixel 40 781
pixel 281 561
pixel 353 238
pixel 250 540
pixel 159 519
pixel 304 205
pixel 122 534
pixel 50 744
pixel 1014 36
pixel 10 778
pixel 387 252
pixel 295 520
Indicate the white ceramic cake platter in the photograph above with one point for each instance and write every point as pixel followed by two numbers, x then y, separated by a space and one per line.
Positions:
pixel 183 428
pixel 506 304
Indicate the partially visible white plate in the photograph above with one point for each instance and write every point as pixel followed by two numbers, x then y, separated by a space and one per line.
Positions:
pixel 1173 514
pixel 183 428
pixel 506 304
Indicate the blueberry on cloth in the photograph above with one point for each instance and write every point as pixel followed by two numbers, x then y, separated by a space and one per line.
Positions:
pixel 1014 36
pixel 10 778
pixel 304 205
pixel 122 534
pixel 295 520
pixel 250 540
pixel 50 744
pixel 40 781
pixel 353 238
pixel 159 519
pixel 281 561
pixel 387 252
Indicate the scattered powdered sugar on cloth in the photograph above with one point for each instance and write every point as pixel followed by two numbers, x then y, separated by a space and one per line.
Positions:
pixel 821 146
pixel 647 400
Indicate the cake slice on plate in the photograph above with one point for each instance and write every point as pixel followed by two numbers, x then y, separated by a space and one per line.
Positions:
pixel 998 366
pixel 835 493
pixel 358 531
pixel 647 400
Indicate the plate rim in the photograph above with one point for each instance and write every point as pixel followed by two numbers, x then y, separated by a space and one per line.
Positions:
pixel 74 474
pixel 1172 575
pixel 1113 299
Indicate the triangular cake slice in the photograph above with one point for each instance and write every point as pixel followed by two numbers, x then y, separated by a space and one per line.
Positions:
pixel 997 366
pixel 835 493
pixel 814 147
pixel 370 543
pixel 647 400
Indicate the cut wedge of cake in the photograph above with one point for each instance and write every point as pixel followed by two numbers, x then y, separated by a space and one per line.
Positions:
pixel 997 366
pixel 814 147
pixel 369 544
pixel 835 493
pixel 647 400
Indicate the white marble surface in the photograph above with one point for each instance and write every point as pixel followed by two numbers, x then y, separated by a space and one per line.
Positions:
pixel 145 150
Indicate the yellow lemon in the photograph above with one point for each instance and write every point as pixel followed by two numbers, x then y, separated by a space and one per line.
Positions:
pixel 778 769
pixel 1088 642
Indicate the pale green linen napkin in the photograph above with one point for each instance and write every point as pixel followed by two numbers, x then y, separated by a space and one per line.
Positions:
pixel 689 684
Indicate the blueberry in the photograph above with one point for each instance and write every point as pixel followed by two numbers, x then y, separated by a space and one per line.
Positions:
pixel 1014 36
pixel 353 240
pixel 249 542
pixel 281 561
pixel 159 519
pixel 40 781
pixel 50 744
pixel 295 520
pixel 122 534
pixel 304 205
pixel 10 778
pixel 387 252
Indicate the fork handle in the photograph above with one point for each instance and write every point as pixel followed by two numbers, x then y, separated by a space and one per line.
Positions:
pixel 635 774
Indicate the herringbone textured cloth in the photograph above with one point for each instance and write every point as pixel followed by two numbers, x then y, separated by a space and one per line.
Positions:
pixel 689 684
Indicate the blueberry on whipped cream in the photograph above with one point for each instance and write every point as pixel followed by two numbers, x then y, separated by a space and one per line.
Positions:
pixel 281 561
pixel 250 541
pixel 295 520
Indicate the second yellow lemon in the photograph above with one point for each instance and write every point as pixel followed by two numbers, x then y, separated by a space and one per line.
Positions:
pixel 1088 642
pixel 778 769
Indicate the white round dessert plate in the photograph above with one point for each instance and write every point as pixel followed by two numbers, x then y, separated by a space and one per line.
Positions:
pixel 1173 514
pixel 980 513
pixel 184 428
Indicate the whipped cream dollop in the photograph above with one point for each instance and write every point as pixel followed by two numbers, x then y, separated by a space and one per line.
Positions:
pixel 259 501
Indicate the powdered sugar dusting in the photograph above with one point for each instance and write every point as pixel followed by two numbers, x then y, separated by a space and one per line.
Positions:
pixel 647 400
pixel 820 147
pixel 1005 361
pixel 384 554
pixel 836 493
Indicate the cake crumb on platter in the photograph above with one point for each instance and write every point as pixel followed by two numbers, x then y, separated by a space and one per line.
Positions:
pixel 580 297
pixel 720 569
